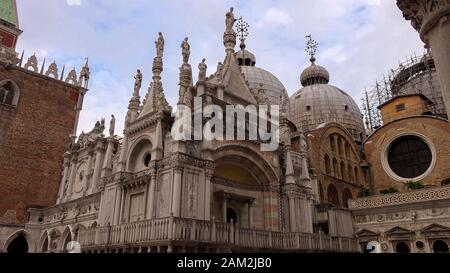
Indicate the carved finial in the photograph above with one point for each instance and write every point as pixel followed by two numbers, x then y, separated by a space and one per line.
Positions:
pixel 72 77
pixel 85 74
pixel 32 63
pixel 62 73
pixel 311 48
pixel 21 58
pixel 52 70
pixel 202 67
pixel 185 50
pixel 43 65
pixel 160 45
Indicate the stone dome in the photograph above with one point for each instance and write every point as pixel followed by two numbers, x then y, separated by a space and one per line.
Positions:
pixel 318 103
pixel 315 74
pixel 264 85
pixel 245 57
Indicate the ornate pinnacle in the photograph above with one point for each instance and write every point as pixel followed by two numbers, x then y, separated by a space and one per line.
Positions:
pixel 311 48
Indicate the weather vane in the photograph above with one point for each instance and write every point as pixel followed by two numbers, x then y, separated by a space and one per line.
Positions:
pixel 242 28
pixel 311 47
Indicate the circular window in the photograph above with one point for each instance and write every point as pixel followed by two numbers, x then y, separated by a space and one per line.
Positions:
pixel 409 156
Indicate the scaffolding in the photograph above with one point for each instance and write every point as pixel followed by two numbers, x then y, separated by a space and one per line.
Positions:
pixel 417 75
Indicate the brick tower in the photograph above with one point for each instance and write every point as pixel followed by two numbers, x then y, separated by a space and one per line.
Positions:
pixel 39 109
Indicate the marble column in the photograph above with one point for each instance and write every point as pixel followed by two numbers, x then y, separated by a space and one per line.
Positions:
pixel 63 179
pixel 432 20
pixel 99 148
pixel 151 197
pixel 224 209
pixel 73 174
pixel 117 205
pixel 292 218
pixel 176 198
pixel 208 176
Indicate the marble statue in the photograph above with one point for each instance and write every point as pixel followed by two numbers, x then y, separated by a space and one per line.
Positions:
pixel 138 81
pixel 112 125
pixel 202 67
pixel 160 45
pixel 186 50
pixel 230 20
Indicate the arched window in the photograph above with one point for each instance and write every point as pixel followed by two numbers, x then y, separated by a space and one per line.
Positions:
pixel 321 192
pixel 332 144
pixel 9 93
pixel 340 146
pixel 347 151
pixel 327 164
pixel 440 247
pixel 335 168
pixel 18 246
pixel 346 195
pixel 350 173
pixel 343 172
pixel 402 247
pixel 333 196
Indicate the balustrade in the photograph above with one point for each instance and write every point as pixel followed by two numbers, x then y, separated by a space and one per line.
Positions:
pixel 172 229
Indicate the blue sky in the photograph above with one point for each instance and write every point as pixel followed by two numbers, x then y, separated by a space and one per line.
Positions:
pixel 360 40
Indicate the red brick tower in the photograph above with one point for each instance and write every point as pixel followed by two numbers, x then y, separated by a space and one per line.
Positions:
pixel 39 111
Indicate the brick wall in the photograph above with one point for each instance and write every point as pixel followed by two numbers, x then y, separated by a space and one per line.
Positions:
pixel 33 138
pixel 436 130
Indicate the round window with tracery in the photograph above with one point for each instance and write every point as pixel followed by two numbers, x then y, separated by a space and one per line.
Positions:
pixel 409 156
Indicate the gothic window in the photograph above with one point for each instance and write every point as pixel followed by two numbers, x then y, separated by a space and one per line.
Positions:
pixel 346 195
pixel 340 146
pixel 343 172
pixel 327 164
pixel 333 196
pixel 409 156
pixel 9 93
pixel 332 145
pixel 347 151
pixel 335 168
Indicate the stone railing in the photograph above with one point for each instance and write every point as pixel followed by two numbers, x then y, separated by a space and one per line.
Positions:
pixel 171 230
pixel 395 199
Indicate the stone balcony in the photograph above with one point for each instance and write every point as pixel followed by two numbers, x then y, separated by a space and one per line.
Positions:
pixel 173 234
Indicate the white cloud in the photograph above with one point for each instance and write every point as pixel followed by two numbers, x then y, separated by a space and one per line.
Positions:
pixel 73 2
pixel 274 17
pixel 118 37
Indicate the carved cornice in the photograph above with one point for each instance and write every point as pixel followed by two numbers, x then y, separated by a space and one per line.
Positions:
pixel 424 14
pixel 403 198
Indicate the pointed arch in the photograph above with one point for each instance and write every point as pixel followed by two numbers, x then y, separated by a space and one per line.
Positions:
pixel 44 242
pixel 66 237
pixel 18 242
pixel 9 92
pixel 333 195
pixel 346 195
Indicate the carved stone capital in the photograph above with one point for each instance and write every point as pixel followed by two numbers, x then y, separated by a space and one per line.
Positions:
pixel 424 14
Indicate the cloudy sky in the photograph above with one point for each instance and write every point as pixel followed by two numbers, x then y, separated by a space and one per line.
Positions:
pixel 360 40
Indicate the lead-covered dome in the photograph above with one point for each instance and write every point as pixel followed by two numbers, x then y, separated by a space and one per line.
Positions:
pixel 318 103
pixel 266 88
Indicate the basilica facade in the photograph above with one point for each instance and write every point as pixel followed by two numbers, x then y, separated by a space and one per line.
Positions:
pixel 331 184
